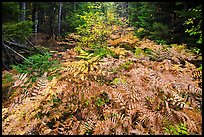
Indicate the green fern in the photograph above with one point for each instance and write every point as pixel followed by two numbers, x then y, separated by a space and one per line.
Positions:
pixel 179 129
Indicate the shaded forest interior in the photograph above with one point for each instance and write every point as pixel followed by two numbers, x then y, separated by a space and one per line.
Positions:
pixel 127 68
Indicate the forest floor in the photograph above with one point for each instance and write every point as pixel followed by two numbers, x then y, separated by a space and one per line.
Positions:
pixel 155 89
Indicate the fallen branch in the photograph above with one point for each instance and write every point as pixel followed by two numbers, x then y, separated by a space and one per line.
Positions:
pixel 16 45
pixel 13 40
pixel 32 45
pixel 17 53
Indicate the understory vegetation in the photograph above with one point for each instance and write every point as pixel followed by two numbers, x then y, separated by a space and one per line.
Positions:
pixel 111 76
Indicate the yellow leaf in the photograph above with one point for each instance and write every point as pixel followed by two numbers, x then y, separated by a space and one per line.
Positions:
pixel 76 73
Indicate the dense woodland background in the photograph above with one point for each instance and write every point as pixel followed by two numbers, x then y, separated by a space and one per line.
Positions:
pixel 57 18
pixel 127 68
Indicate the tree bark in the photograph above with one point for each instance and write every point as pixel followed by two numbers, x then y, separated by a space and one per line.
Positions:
pixel 36 20
pixel 59 18
pixel 24 12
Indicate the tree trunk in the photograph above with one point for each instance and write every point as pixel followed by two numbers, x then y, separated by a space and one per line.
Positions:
pixel 36 20
pixel 24 12
pixel 127 13
pixel 52 19
pixel 74 6
pixel 59 18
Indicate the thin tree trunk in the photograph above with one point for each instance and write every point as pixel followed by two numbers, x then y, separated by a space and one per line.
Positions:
pixel 74 6
pixel 52 19
pixel 36 20
pixel 59 19
pixel 23 8
pixel 53 28
pixel 127 13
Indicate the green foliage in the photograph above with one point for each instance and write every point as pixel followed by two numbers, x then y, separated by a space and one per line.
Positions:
pixel 167 23
pixel 179 129
pixel 117 81
pixel 101 101
pixel 8 77
pixel 73 19
pixel 138 52
pixel 143 16
pixel 37 65
pixel 93 30
pixel 140 14
pixel 103 52
pixel 96 24
pixel 17 31
pixel 200 68
pixel 87 103
pixel 158 32
pixel 95 51
pixel 141 32
pixel 55 101
pixel 161 42
pixel 126 65
pixel 196 50
pixel 195 23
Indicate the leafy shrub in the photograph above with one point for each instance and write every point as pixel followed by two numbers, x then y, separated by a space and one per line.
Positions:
pixel 37 64
pixel 195 23
pixel 18 30
pixel 93 30
pixel 103 52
